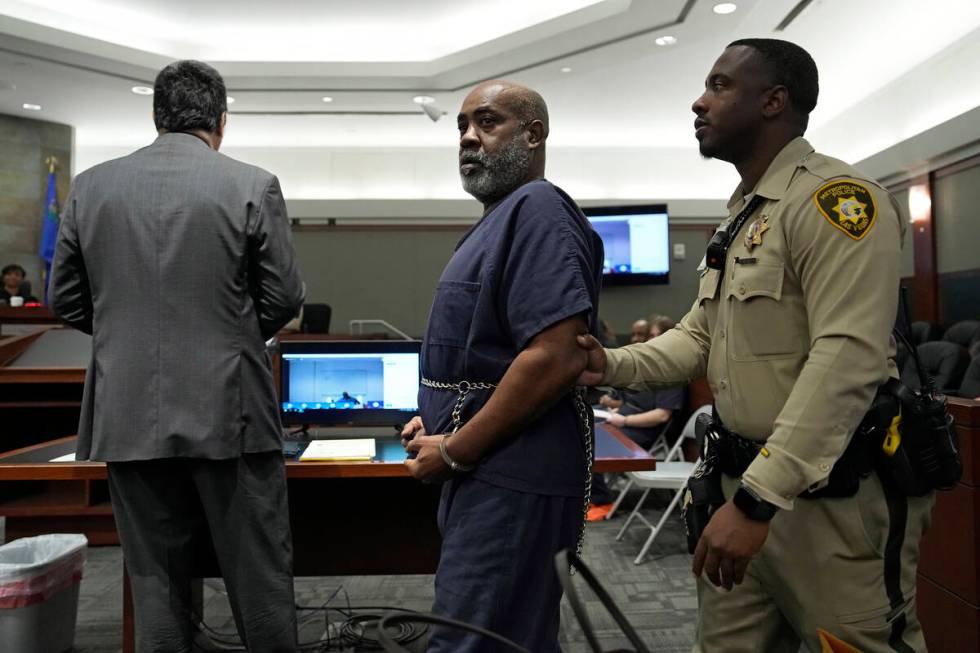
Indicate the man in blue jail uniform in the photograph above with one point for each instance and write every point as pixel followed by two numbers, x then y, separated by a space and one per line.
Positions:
pixel 513 436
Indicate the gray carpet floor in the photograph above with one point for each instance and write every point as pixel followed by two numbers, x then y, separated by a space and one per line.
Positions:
pixel 658 596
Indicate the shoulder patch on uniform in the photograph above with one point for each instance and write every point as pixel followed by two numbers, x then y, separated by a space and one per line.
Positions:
pixel 848 205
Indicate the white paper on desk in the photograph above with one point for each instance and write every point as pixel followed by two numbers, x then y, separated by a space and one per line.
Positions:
pixel 346 449
pixel 601 414
pixel 67 458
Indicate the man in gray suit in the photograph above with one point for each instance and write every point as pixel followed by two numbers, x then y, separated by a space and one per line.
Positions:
pixel 179 261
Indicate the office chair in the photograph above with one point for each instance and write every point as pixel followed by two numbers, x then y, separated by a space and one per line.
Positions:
pixel 921 332
pixel 316 318
pixel 945 362
pixel 970 388
pixel 963 333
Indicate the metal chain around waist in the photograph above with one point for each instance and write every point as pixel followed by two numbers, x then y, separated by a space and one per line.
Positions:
pixel 463 388
pixel 584 413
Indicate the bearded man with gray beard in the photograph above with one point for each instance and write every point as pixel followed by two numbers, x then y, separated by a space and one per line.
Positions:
pixel 512 435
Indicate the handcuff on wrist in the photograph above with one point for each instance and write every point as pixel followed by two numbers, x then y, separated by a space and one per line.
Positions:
pixel 446 458
pixel 752 505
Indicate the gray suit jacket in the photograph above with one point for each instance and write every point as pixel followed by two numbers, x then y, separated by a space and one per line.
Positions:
pixel 180 263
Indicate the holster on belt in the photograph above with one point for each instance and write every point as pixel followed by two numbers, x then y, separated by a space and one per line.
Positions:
pixel 704 494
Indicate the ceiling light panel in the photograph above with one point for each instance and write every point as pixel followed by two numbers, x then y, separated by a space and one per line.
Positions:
pixel 300 30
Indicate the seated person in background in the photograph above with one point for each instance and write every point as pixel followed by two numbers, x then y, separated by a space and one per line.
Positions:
pixel 655 326
pixel 639 332
pixel 641 416
pixel 659 324
pixel 13 278
pixel 974 355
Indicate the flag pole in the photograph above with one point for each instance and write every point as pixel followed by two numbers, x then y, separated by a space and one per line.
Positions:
pixel 52 163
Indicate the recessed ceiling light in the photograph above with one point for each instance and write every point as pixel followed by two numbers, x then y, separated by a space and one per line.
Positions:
pixel 725 7
pixel 32 107
pixel 566 69
pixel 665 40
pixel 423 99
pixel 327 98
pixel 142 90
pixel 229 99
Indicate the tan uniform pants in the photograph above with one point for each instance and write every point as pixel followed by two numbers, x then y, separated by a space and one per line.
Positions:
pixel 844 565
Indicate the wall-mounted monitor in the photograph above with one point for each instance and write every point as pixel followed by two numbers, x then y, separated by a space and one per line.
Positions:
pixel 366 383
pixel 636 243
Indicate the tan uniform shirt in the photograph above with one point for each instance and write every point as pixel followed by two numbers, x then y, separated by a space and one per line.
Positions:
pixel 795 334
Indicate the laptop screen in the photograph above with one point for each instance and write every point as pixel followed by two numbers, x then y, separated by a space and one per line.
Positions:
pixel 370 382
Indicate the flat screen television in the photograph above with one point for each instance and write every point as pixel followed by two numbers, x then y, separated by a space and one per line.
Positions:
pixel 635 239
pixel 349 382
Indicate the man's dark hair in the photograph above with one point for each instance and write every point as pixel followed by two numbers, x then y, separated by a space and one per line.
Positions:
pixel 187 96
pixel 13 267
pixel 791 66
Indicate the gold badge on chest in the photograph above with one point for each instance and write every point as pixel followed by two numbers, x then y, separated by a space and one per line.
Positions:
pixel 753 236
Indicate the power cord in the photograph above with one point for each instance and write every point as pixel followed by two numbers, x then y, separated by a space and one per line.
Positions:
pixel 357 629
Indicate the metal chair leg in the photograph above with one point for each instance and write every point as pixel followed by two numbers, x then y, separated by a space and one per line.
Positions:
pixel 633 515
pixel 654 531
pixel 619 499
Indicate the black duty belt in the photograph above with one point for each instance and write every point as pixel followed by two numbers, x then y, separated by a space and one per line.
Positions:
pixel 733 454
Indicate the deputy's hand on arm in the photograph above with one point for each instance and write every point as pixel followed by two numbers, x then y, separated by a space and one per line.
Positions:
pixel 728 543
pixel 595 366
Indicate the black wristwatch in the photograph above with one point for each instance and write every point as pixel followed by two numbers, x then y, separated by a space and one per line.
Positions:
pixel 754 507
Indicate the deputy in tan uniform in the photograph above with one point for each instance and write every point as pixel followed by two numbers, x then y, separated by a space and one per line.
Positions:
pixel 794 335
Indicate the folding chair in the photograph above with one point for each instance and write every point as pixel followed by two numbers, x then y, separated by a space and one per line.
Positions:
pixel 669 475
pixel 659 450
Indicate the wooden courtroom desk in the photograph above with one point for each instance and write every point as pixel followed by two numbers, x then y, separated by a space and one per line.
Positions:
pixel 32 315
pixel 42 375
pixel 948 588
pixel 347 518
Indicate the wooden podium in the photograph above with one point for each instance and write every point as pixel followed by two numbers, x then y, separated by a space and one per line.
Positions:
pixel 948 592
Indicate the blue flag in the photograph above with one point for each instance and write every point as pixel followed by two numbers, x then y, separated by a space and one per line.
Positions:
pixel 49 231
